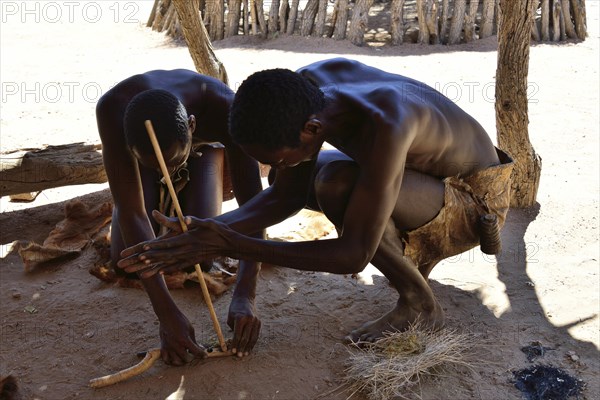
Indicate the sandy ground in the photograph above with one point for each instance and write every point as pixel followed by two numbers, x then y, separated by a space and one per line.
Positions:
pixel 543 287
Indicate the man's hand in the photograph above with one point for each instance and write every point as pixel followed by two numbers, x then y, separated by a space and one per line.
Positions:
pixel 245 325
pixel 178 341
pixel 205 240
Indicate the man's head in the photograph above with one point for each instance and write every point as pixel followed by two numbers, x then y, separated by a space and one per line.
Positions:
pixel 273 115
pixel 171 124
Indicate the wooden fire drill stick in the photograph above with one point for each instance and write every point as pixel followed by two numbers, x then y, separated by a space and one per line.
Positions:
pixel 184 228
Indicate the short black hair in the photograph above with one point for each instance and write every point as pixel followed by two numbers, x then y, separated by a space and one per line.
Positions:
pixel 271 107
pixel 169 120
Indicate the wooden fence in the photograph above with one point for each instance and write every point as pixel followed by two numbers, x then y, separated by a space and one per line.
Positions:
pixel 386 21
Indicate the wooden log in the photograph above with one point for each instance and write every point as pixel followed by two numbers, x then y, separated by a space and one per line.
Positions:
pixel 341 25
pixel 579 17
pixel 253 16
pixel 556 20
pixel 423 29
pixel 319 30
pixel 359 22
pixel 458 18
pixel 566 13
pixel 215 19
pixel 31 170
pixel 444 21
pixel 284 10
pixel 397 19
pixel 535 31
pixel 152 14
pixel 308 17
pixel 273 24
pixel 260 17
pixel 291 24
pixel 245 15
pixel 545 20
pixel 563 27
pixel 487 19
pixel 431 20
pixel 470 21
pixel 233 17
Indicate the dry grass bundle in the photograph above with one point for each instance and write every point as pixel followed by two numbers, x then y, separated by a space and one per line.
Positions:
pixel 394 366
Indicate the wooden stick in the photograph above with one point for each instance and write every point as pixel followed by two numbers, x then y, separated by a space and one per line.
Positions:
pixel 149 359
pixel 165 172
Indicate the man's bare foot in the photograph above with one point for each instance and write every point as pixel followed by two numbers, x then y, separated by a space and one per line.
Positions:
pixel 398 319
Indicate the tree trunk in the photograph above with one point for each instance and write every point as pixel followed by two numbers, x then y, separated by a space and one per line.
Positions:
pixel 196 37
pixel 514 32
pixel 214 18
pixel 260 16
pixel 423 29
pixel 253 16
pixel 431 20
pixel 233 17
pixel 359 22
pixel 566 12
pixel 556 17
pixel 458 18
pixel 579 17
pixel 470 21
pixel 291 25
pixel 397 28
pixel 152 14
pixel 563 27
pixel 487 19
pixel 273 25
pixel 341 25
pixel 545 20
pixel 535 32
pixel 321 19
pixel 444 21
pixel 31 170
pixel 308 17
pixel 245 14
pixel 284 11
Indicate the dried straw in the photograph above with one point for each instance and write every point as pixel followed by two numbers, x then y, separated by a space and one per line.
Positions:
pixel 395 365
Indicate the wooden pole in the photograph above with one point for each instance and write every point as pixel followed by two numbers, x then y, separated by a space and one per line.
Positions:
pixel 165 172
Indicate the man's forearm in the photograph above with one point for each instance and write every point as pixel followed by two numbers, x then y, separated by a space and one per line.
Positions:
pixel 263 210
pixel 159 295
pixel 331 255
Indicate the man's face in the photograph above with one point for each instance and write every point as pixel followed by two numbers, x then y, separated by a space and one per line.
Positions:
pixel 284 157
pixel 175 156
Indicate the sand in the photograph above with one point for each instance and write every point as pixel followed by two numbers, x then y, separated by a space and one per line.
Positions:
pixel 543 287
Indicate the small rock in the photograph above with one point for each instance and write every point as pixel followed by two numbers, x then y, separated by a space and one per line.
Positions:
pixel 16 295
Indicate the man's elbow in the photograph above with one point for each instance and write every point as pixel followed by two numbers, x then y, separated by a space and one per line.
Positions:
pixel 357 259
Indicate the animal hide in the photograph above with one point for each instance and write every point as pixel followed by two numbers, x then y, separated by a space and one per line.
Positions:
pixel 70 236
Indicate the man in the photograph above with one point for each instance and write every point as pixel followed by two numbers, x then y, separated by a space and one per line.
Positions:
pixel 413 175
pixel 189 113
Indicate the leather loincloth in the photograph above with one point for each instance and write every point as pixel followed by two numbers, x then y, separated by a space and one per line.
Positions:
pixel 455 229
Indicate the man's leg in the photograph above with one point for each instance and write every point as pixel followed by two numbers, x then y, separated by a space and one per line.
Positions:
pixel 421 198
pixel 202 197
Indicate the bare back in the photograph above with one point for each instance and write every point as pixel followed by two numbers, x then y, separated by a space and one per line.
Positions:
pixel 444 140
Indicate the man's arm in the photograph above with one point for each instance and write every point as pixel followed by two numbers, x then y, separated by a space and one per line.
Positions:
pixel 124 180
pixel 369 208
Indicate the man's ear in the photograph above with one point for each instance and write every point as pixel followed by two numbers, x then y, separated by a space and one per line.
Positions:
pixel 312 129
pixel 192 123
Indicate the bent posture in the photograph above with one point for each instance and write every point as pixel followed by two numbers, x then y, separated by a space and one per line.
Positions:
pixel 410 178
pixel 190 114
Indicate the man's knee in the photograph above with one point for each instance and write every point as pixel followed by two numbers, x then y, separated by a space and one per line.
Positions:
pixel 333 185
